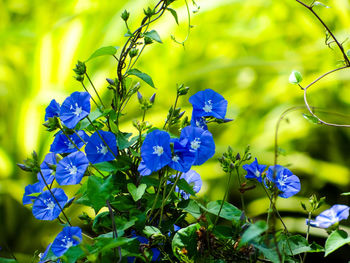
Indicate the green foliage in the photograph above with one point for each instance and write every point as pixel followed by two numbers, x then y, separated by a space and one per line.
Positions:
pixel 146 78
pixel 103 51
pixel 336 239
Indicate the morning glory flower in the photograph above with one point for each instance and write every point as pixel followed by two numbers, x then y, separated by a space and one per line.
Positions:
pixel 193 179
pixel 200 142
pixel 47 172
pixel 70 236
pixel 182 157
pixel 155 150
pixel 285 180
pixel 53 110
pixel 75 108
pixel 143 170
pixel 45 206
pixel 61 144
pixel 199 121
pixel 96 150
pixel 31 189
pixel 70 169
pixel 254 170
pixel 330 216
pixel 208 103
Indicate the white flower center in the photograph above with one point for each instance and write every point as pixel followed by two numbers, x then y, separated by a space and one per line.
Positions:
pixel 195 144
pixel 175 158
pixel 103 149
pixel 257 173
pixel 158 150
pixel 208 106
pixel 50 205
pixel 70 146
pixel 78 110
pixel 72 169
pixel 67 242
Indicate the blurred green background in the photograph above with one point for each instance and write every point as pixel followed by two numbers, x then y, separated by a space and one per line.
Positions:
pixel 244 50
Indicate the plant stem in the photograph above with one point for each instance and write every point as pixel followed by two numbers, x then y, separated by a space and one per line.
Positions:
pixel 224 199
pixel 93 86
pixel 115 233
pixel 82 83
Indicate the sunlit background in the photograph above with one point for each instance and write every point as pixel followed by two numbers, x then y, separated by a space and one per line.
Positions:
pixel 244 50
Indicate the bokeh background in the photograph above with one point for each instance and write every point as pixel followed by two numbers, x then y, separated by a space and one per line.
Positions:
pixel 244 50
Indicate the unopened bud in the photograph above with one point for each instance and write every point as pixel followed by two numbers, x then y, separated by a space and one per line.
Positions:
pixel 133 52
pixel 125 15
pixel 24 167
pixel 152 98
pixel 148 41
pixel 181 114
pixel 110 81
pixel 139 96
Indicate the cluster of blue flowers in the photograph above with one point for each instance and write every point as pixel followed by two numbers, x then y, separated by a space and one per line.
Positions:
pixel 194 146
pixel 288 185
pixel 66 164
pixel 286 182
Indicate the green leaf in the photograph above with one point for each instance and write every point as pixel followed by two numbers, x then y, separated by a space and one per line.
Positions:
pixel 173 12
pixel 229 211
pixel 311 119
pixel 153 35
pixel 136 192
pixel 347 193
pixel 73 254
pixel 146 78
pixel 298 244
pixel 348 53
pixel 253 231
pixel 99 191
pixel 122 140
pixel 107 243
pixel 185 238
pixel 191 207
pixel 92 116
pixel 151 231
pixel 184 185
pixel 123 203
pixel 337 239
pixel 103 51
pixel 295 77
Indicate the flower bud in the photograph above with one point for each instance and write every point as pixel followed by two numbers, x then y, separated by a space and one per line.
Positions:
pixel 152 98
pixel 181 114
pixel 149 12
pixel 148 40
pixel 133 52
pixel 295 77
pixel 125 15
pixel 24 167
pixel 139 96
pixel 110 81
pixel 182 90
pixel 80 68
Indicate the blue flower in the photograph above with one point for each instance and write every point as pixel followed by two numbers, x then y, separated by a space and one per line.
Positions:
pixel 199 121
pixel 75 108
pixel 193 179
pixel 286 182
pixel 182 157
pixel 96 150
pixel 199 141
pixel 61 144
pixel 143 170
pixel 70 169
pixel 46 208
pixel 254 170
pixel 155 150
pixel 48 173
pixel 53 110
pixel 70 236
pixel 208 103
pixel 31 189
pixel 330 216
